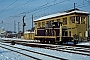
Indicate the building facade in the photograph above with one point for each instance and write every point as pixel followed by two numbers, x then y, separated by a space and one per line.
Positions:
pixel 29 35
pixel 75 20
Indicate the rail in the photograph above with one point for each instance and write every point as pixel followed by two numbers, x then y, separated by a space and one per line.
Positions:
pixel 75 49
pixel 58 58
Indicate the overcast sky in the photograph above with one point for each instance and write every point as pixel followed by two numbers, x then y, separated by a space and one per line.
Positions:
pixel 14 10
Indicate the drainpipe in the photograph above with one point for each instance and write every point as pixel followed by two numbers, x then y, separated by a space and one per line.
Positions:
pixel 60 32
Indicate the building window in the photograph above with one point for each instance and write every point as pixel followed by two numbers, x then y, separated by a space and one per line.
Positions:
pixel 82 20
pixel 64 21
pixel 58 20
pixel 69 33
pixel 35 24
pixel 52 21
pixel 72 18
pixel 69 28
pixel 39 24
pixel 78 19
pixel 43 24
pixel 47 23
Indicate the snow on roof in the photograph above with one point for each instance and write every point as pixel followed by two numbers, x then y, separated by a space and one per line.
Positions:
pixel 28 32
pixel 60 14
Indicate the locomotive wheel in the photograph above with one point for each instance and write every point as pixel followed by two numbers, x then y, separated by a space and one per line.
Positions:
pixel 61 42
pixel 52 41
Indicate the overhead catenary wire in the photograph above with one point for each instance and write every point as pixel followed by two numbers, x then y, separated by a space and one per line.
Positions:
pixel 49 6
pixel 38 7
pixel 19 6
pixel 1 1
pixel 18 9
pixel 8 6
pixel 24 4
pixel 33 9
pixel 83 4
pixel 41 7
pixel 46 1
pixel 44 6
pixel 88 1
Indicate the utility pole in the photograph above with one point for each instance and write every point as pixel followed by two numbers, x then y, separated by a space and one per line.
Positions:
pixel 23 23
pixel 74 5
pixel 18 27
pixel 14 26
pixel 32 21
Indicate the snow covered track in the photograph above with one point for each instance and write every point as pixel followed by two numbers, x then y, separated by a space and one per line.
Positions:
pixel 75 49
pixel 25 51
pixel 47 51
pixel 20 53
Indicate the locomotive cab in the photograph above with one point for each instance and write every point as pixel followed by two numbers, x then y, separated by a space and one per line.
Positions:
pixel 56 24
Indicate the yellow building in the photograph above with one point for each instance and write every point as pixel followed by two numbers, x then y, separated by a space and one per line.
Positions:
pixel 75 20
pixel 29 35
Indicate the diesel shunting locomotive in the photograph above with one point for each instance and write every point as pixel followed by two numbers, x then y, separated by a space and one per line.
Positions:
pixel 53 33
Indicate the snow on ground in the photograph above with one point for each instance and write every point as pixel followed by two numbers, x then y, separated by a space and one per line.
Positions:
pixel 18 39
pixel 30 53
pixel 8 55
pixel 65 55
pixel 11 39
pixel 14 56
pixel 84 43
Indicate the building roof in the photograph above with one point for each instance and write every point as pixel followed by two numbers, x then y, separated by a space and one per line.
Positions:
pixel 63 13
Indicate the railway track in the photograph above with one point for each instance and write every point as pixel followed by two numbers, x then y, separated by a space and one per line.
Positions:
pixel 18 49
pixel 75 49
